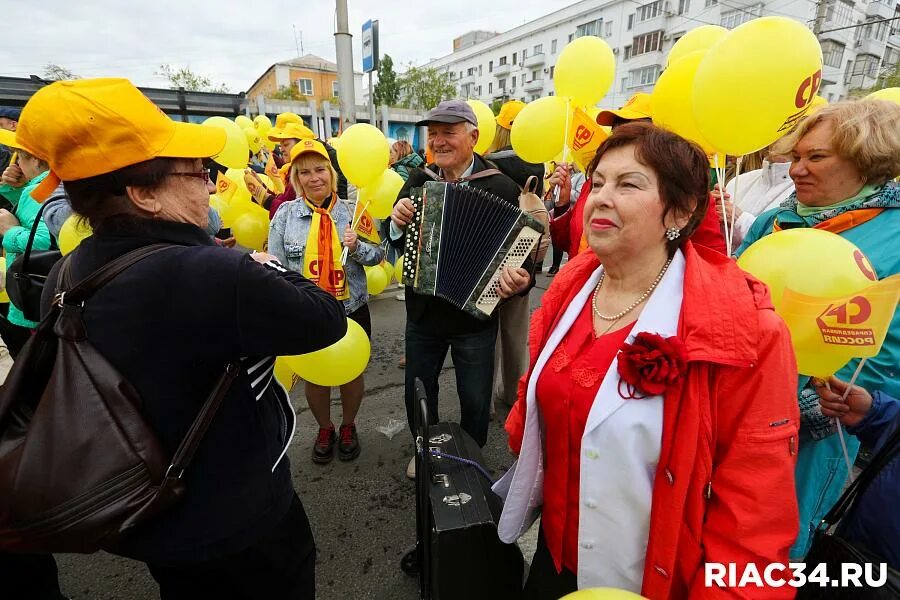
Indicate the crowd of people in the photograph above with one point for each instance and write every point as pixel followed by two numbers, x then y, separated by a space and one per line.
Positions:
pixel 656 411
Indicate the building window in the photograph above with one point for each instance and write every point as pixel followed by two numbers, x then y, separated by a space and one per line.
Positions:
pixel 608 33
pixel 524 55
pixel 480 70
pixel 709 3
pixel 490 66
pixel 336 89
pixel 551 72
pixel 832 53
pixel 470 71
pixel 501 85
pixel 522 82
pixel 627 52
pixel 873 31
pixel 538 49
pixel 502 61
pixel 624 84
pixel 848 71
pixel 553 47
pixel 590 28
pixel 684 6
pixel 866 65
pixel 490 88
pixel 649 42
pixel 650 11
pixel 515 55
pixel 839 13
pixel 571 37
pixel 732 18
pixel 643 77
pixel 630 21
pixel 305 87
pixel 534 97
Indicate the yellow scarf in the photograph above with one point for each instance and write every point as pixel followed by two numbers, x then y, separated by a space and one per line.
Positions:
pixel 322 258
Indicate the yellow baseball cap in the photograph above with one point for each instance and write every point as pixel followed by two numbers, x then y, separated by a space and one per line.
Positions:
pixel 638 106
pixel 508 113
pixel 89 127
pixel 305 146
pixel 8 138
pixel 291 131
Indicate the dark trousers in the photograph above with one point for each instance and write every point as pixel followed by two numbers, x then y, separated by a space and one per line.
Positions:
pixel 544 583
pixel 473 358
pixel 557 257
pixel 29 577
pixel 280 565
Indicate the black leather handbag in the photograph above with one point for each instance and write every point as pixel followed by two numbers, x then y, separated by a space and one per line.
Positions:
pixel 832 549
pixel 26 276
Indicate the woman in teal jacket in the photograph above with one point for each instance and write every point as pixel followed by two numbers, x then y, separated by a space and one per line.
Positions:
pixel 18 181
pixel 843 160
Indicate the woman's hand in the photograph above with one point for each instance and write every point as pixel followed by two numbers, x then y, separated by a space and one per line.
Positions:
pixel 513 281
pixel 263 257
pixel 850 411
pixel 13 176
pixel 7 220
pixel 351 239
pixel 562 179
pixel 725 214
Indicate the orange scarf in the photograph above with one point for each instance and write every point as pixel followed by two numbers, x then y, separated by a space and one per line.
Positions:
pixel 843 221
pixel 322 257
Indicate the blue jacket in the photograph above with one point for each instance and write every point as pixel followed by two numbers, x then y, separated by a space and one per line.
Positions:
pixel 821 469
pixel 875 520
pixel 287 241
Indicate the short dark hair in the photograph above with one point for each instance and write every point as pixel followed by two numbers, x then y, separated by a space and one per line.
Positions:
pixel 103 196
pixel 681 168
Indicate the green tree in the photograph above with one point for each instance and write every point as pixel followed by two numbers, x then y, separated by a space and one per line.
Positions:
pixel 187 79
pixel 423 88
pixel 496 105
pixel 387 90
pixel 55 72
pixel 287 92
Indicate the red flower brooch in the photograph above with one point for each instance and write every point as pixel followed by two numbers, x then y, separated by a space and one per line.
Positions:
pixel 650 365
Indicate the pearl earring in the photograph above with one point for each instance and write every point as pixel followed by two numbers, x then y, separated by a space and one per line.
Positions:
pixel 673 233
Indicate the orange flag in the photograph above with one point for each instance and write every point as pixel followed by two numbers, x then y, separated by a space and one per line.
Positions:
pixel 828 332
pixel 274 175
pixel 225 188
pixel 585 136
pixel 365 224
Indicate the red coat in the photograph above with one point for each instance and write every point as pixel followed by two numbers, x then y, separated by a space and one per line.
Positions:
pixel 724 487
pixel 567 229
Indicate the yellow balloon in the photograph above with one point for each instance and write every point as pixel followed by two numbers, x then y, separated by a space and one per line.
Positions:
pixel 382 193
pixel 263 124
pixel 487 125
pixel 284 374
pixel 236 152
pixel 672 100
pixel 251 229
pixel 603 594
pixel 892 94
pixel 388 269
pixel 4 296
pixel 221 206
pixel 816 263
pixel 237 176
pixel 376 280
pixel 254 140
pixel 340 363
pixel 756 83
pixel 73 231
pixel 539 131
pixel 584 71
pixel 243 121
pixel 398 270
pixel 701 38
pixel 363 154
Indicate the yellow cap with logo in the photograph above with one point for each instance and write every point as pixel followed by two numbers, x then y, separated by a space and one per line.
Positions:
pixel 508 113
pixel 309 146
pixel 291 131
pixel 638 106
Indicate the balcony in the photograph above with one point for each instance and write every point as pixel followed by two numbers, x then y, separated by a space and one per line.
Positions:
pixel 466 80
pixel 535 85
pixel 502 70
pixel 535 60
pixel 871 46
pixel 878 9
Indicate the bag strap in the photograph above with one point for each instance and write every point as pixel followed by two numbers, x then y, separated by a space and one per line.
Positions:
pixel 188 447
pixel 478 175
pixel 26 255
pixel 845 503
pixel 530 184
pixel 96 280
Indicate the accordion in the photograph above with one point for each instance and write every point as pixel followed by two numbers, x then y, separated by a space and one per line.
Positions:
pixel 458 242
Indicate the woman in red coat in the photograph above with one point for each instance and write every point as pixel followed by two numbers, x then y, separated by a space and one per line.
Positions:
pixel 656 428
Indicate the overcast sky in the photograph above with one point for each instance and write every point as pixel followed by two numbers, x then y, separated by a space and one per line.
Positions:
pixel 232 41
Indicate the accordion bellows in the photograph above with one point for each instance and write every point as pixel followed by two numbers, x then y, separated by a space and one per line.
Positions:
pixel 459 240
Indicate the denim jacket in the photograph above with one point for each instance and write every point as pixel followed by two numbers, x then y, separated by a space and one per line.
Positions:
pixel 287 241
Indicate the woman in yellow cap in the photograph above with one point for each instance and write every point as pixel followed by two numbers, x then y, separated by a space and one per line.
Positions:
pixel 304 236
pixel 171 323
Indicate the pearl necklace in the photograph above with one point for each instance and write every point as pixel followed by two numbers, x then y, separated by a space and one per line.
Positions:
pixel 634 304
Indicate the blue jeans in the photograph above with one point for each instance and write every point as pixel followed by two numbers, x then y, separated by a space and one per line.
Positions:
pixel 473 358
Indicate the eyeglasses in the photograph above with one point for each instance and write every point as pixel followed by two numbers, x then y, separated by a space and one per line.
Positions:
pixel 204 175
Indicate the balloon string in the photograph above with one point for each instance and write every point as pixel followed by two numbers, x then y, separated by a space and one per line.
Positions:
pixel 734 200
pixel 566 138
pixel 837 421
pixel 346 252
pixel 720 175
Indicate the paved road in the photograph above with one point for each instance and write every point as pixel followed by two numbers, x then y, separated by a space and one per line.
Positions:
pixel 362 513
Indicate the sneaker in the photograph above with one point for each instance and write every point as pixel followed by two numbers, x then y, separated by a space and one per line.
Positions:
pixel 411 468
pixel 323 449
pixel 348 446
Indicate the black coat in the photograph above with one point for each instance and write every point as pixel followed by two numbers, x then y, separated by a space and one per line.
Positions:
pixel 517 169
pixel 435 313
pixel 170 324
